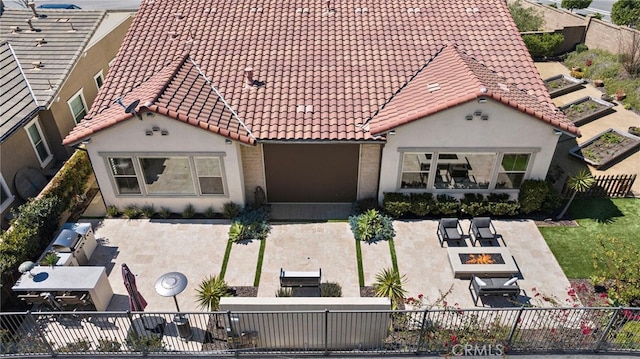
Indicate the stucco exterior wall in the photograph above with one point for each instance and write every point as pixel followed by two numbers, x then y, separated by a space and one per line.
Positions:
pixel 183 139
pixel 369 170
pixel 253 170
pixel 505 129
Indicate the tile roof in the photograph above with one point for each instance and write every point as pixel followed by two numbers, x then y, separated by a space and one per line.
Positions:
pixel 18 102
pixel 326 67
pixel 452 78
pixel 65 32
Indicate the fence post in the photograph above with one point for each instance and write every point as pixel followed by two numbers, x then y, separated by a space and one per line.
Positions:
pixel 326 332
pixel 515 326
pixel 607 329
pixel 422 329
pixel 40 333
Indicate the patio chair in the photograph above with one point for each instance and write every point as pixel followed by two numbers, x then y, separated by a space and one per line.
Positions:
pixel 449 229
pixel 482 229
pixel 493 287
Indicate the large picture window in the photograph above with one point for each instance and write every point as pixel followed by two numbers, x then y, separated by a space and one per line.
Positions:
pixel 512 170
pixel 423 170
pixel 78 106
pixel 38 142
pixel 167 175
pixel 124 175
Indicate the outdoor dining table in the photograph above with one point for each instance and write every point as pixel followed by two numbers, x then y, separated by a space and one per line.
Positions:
pixel 91 279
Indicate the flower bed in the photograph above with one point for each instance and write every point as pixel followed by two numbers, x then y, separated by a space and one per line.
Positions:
pixel 562 84
pixel 586 109
pixel 605 147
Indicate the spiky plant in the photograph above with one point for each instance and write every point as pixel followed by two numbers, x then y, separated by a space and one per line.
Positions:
pixel 389 284
pixel 581 182
pixel 210 291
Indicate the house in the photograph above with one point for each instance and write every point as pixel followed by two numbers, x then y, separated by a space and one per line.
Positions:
pixel 318 102
pixel 53 63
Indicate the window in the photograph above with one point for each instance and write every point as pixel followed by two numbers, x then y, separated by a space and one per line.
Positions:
pixel 512 170
pixel 6 198
pixel 464 170
pixel 209 175
pixel 99 79
pixel 38 142
pixel 124 175
pixel 167 175
pixel 78 106
pixel 415 170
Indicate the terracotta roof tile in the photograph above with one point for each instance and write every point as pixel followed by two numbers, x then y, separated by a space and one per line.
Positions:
pixel 345 63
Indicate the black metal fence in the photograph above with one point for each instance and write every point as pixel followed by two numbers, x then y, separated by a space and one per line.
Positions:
pixel 455 332
pixel 605 186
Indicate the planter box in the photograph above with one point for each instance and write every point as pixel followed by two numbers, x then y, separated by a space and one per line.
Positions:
pixel 562 84
pixel 586 109
pixel 598 152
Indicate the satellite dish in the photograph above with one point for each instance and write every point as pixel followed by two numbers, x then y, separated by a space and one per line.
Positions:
pixel 132 107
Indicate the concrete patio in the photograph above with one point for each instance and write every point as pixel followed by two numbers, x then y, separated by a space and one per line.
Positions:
pixel 196 248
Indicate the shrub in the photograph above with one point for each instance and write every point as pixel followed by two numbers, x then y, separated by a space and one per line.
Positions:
pixel 372 226
pixel 473 204
pixel 112 211
pixel 148 210
pixel 164 212
pixel 532 195
pixel 422 203
pixel 544 45
pixel 330 289
pixel 131 212
pixel 446 205
pixel 526 18
pixel 581 48
pixel 396 204
pixel 80 345
pixel 230 210
pixel 209 212
pixel 629 336
pixel 250 224
pixel 108 345
pixel 498 204
pixel 209 292
pixel 189 211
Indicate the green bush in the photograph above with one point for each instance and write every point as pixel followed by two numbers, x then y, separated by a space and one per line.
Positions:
pixel 544 45
pixel 396 204
pixel 629 336
pixel 148 210
pixel 372 226
pixel 189 211
pixel 446 205
pixel 250 224
pixel 532 195
pixel 473 204
pixel 422 203
pixel 498 204
pixel 209 212
pixel 581 48
pixel 231 210
pixel 164 212
pixel 131 212
pixel 330 289
pixel 112 211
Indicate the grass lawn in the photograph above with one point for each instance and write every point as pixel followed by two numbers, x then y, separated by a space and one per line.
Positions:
pixel 573 247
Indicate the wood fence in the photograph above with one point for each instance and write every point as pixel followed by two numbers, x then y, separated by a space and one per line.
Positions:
pixel 605 186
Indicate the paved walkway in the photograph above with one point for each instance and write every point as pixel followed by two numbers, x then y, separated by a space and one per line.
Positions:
pixel 196 248
pixel 621 119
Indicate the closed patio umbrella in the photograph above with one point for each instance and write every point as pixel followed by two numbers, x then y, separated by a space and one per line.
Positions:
pixel 137 303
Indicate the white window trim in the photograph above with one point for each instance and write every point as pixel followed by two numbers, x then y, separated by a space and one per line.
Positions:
pixel 95 79
pixel 45 162
pixel 11 198
pixel 84 104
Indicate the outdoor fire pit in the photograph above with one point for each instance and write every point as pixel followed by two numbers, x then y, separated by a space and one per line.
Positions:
pixel 490 261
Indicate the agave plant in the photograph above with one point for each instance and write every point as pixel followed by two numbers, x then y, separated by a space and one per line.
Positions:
pixel 210 291
pixel 389 284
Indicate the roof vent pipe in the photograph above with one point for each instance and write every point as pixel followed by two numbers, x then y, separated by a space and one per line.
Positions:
pixel 15 29
pixel 30 25
pixel 32 5
pixel 248 72
pixel 37 64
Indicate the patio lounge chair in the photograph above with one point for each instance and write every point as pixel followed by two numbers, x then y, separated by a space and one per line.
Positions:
pixel 449 229
pixel 481 229
pixel 500 287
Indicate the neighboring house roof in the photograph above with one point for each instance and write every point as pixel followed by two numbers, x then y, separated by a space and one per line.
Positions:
pixel 326 67
pixel 47 47
pixel 17 101
pixel 452 78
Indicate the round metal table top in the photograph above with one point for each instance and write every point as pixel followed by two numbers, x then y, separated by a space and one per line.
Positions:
pixel 171 284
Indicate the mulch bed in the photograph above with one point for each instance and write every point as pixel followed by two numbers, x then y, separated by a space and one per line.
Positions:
pixel 587 294
pixel 243 291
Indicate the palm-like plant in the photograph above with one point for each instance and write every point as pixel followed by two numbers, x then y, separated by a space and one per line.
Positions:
pixel 389 284
pixel 210 291
pixel 581 182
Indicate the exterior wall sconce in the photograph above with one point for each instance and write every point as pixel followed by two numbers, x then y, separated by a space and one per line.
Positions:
pixel 155 128
pixel 468 117
pixel 228 141
pixel 164 133
pixel 392 132
pixel 148 132
pixel 557 132
pixel 482 100
pixel 484 117
pixel 477 113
